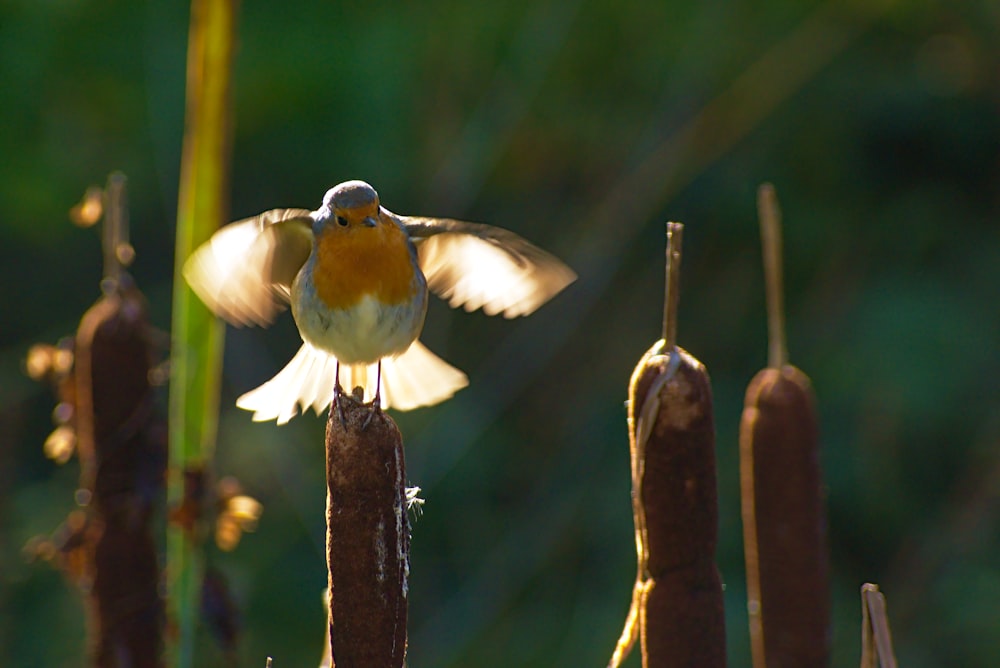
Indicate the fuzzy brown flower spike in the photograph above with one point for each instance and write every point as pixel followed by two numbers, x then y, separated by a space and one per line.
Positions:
pixel 784 520
pixel 676 608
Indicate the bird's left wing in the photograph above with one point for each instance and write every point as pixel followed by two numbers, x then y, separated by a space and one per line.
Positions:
pixel 245 271
pixel 481 266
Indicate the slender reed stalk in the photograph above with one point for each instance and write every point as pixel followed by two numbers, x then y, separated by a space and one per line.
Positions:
pixel 197 335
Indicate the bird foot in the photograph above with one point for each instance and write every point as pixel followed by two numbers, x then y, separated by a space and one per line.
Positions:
pixel 374 407
pixel 338 392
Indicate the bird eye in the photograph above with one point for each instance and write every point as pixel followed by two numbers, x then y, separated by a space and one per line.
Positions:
pixel 341 221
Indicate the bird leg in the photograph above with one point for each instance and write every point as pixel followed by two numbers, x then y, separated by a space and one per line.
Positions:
pixel 338 392
pixel 376 403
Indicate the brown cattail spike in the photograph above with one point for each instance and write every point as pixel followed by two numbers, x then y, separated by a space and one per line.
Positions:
pixel 121 443
pixel 681 617
pixel 784 521
pixel 676 605
pixel 368 537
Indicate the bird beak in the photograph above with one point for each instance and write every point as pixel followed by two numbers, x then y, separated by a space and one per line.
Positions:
pixel 369 222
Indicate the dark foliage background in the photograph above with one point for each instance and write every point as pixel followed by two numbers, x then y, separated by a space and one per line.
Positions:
pixel 583 126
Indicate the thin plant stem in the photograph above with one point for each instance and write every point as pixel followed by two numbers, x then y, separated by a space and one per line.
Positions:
pixel 115 231
pixel 770 237
pixel 672 286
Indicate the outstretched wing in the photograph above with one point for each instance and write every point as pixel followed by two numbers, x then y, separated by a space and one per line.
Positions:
pixel 245 271
pixel 481 266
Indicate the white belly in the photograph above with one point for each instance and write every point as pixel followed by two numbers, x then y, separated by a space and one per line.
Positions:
pixel 361 334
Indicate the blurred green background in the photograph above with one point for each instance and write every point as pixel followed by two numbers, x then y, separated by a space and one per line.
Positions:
pixel 584 126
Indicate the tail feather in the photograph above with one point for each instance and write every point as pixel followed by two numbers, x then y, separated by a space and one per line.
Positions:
pixel 317 387
pixel 307 380
pixel 416 378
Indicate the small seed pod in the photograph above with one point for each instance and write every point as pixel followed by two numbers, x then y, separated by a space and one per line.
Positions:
pixel 368 537
pixel 784 520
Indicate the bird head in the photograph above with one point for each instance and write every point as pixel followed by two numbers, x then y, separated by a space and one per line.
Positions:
pixel 348 206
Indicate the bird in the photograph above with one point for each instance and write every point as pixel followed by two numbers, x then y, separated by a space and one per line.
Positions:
pixel 357 278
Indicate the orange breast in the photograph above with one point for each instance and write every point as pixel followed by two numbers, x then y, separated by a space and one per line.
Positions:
pixel 356 261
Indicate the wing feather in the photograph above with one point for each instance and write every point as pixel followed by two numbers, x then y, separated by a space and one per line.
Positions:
pixel 245 271
pixel 481 266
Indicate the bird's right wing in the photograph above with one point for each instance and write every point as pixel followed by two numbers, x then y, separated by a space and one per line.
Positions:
pixel 245 271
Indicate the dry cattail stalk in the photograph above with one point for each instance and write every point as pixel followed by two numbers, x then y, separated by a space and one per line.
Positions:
pixel 368 536
pixel 676 608
pixel 784 521
pixel 876 639
pixel 121 447
pixel 107 402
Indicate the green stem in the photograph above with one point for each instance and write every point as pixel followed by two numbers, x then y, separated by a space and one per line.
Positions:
pixel 196 359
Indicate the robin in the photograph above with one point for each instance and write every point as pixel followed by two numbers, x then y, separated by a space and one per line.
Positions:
pixel 356 276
